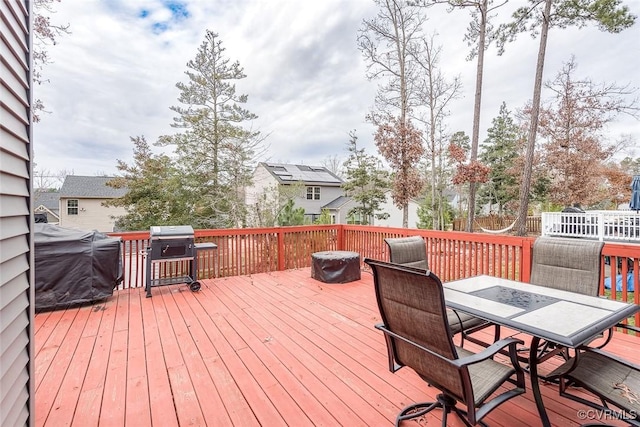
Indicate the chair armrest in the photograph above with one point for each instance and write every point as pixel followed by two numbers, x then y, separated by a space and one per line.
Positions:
pixel 490 351
pixel 614 357
pixel 485 354
pixel 629 327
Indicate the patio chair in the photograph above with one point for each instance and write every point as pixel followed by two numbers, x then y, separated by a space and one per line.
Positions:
pixel 613 380
pixel 568 264
pixel 418 336
pixel 412 252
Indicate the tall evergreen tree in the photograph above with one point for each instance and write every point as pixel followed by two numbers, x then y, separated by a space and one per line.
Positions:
pixel 366 182
pixel 499 152
pixel 215 149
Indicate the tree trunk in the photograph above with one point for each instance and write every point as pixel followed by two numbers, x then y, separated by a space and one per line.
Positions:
pixel 476 112
pixel 525 184
pixel 405 216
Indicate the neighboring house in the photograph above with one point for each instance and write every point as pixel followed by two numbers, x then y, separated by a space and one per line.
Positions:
pixel 81 203
pixel 320 186
pixel 46 203
pixel 395 213
pixel 339 210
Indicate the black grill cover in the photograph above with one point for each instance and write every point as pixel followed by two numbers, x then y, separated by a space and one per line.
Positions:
pixel 74 266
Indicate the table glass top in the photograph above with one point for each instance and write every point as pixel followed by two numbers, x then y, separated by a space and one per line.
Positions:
pixel 564 317
pixel 514 297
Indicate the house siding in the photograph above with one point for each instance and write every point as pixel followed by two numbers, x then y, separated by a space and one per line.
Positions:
pixel 91 215
pixel 314 207
pixel 16 207
pixel 262 181
pixel 395 214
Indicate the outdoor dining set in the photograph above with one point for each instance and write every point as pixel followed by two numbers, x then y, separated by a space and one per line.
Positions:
pixel 428 324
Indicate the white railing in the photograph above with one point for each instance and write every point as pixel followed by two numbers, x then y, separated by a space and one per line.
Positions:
pixel 600 225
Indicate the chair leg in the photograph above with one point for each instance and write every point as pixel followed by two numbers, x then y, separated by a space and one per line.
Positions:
pixel 443 401
pixel 416 410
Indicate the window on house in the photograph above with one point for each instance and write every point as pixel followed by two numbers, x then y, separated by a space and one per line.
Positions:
pixel 355 218
pixel 313 193
pixel 72 207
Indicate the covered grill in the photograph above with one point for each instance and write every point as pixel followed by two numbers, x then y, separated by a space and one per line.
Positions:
pixel 173 243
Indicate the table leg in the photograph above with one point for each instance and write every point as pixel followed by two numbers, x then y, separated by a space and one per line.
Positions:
pixel 535 382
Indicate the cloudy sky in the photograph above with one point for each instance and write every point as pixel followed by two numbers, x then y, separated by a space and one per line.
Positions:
pixel 114 76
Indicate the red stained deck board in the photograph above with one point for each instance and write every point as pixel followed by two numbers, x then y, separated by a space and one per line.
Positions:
pixel 47 345
pixel 64 347
pixel 359 378
pixel 137 410
pixel 271 372
pixel 160 396
pixel 323 369
pixel 114 398
pixel 205 336
pixel 314 386
pixel 67 397
pixel 273 349
pixel 185 327
pixel 87 411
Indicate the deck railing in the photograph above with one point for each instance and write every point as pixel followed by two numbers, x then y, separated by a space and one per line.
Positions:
pixel 602 225
pixel 497 222
pixel 452 254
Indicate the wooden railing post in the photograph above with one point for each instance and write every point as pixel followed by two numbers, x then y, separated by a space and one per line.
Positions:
pixel 340 237
pixel 527 256
pixel 281 264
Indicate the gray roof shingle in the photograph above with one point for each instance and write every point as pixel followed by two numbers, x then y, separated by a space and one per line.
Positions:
pixel 90 187
pixel 337 203
pixel 48 199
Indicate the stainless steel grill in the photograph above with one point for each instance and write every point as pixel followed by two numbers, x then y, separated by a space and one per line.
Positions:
pixel 172 243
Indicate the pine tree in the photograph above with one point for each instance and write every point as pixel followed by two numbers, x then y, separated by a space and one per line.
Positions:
pixel 366 182
pixel 499 152
pixel 216 150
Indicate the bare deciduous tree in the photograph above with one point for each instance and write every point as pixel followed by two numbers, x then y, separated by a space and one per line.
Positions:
pixel 434 93
pixel 575 147
pixel 46 34
pixel 389 43
pixel 401 145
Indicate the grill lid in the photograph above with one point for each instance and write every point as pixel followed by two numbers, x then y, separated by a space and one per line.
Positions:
pixel 171 231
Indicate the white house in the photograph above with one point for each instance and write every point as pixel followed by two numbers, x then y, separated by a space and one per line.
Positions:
pixel 319 186
pixel 395 213
pixel 81 203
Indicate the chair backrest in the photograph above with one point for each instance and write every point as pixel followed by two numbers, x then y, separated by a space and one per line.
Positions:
pixel 568 264
pixel 409 251
pixel 411 304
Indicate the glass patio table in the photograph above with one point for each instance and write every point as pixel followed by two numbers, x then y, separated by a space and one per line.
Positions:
pixel 561 317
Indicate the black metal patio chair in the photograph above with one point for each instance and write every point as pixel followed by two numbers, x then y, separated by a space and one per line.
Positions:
pixel 613 380
pixel 572 265
pixel 412 252
pixel 418 336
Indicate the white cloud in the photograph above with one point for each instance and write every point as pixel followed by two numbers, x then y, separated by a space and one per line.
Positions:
pixel 114 77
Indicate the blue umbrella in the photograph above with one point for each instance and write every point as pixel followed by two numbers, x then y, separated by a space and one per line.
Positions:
pixel 634 203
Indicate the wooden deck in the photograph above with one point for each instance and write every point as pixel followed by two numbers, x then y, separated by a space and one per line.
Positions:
pixel 270 349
